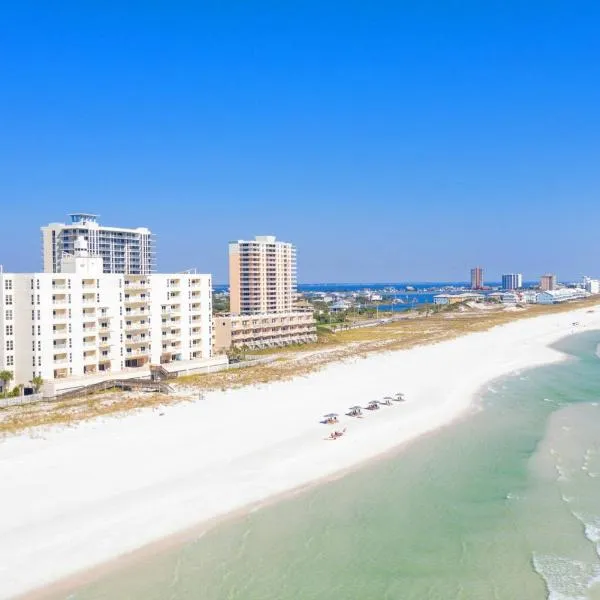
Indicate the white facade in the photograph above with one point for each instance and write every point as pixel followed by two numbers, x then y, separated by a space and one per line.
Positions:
pixel 562 295
pixel 86 322
pixel 591 285
pixel 512 281
pixel 122 250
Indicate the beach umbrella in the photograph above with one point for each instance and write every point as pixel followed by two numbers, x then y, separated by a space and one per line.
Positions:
pixel 331 415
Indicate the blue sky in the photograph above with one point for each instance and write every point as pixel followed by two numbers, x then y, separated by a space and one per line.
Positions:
pixel 390 141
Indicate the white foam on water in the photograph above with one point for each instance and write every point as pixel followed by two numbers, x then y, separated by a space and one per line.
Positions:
pixel 591 529
pixel 565 579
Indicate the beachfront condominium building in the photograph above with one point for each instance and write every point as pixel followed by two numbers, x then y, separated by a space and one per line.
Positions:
pixel 262 276
pixel 548 282
pixel 122 250
pixel 83 321
pixel 477 278
pixel 512 281
pixel 262 287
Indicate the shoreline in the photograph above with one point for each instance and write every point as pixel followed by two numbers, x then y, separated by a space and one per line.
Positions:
pixel 274 460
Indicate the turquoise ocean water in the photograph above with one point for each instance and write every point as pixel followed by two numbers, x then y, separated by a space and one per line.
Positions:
pixel 502 505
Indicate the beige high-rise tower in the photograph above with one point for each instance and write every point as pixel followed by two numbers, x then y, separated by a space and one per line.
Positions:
pixel 262 276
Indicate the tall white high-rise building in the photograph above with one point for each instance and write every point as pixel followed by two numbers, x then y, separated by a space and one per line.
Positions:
pixel 122 250
pixel 83 321
pixel 512 281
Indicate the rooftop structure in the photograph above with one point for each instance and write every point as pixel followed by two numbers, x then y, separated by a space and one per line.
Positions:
pixel 123 250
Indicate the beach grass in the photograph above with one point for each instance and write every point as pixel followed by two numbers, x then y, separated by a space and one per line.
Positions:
pixel 294 361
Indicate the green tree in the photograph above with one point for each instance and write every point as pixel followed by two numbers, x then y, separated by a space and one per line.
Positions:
pixel 37 383
pixel 6 377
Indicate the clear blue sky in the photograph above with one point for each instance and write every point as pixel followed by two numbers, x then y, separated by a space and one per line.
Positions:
pixel 389 141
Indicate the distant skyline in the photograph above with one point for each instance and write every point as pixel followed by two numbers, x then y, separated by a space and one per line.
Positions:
pixel 388 141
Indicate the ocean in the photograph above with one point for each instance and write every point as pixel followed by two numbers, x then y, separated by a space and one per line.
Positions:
pixel 503 504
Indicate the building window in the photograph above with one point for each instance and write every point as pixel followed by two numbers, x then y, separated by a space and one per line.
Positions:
pixel 10 360
pixel 39 361
pixel 9 315
pixel 8 284
pixel 10 345
pixel 9 330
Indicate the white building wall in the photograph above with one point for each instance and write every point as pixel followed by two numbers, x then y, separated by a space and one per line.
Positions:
pixel 181 316
pixel 58 325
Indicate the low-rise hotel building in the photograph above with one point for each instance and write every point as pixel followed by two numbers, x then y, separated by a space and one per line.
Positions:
pixel 442 299
pixel 269 330
pixel 83 321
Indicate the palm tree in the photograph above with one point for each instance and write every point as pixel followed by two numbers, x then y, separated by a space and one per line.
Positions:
pixel 5 378
pixel 37 383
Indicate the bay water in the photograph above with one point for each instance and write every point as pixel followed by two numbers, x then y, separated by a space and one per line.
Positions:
pixel 503 504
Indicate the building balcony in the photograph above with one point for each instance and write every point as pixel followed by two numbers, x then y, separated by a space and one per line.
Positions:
pixel 130 327
pixel 138 353
pixel 136 300
pixel 137 285
pixel 136 340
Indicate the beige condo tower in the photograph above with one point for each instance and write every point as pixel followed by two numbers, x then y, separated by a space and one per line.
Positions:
pixel 262 276
pixel 262 288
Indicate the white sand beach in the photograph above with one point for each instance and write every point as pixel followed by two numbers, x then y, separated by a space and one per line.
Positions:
pixel 72 498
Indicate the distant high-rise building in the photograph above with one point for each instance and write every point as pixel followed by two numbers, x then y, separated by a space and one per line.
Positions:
pixel 512 281
pixel 127 251
pixel 262 276
pixel 477 278
pixel 547 282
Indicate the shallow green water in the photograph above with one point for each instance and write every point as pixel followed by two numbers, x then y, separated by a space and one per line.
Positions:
pixel 504 504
